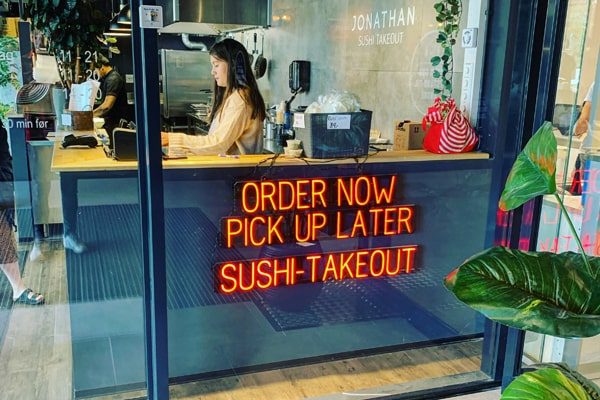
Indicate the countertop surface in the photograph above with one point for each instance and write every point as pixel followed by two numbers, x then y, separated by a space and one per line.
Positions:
pixel 75 159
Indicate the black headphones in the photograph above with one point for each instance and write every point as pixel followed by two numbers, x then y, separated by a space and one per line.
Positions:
pixel 240 69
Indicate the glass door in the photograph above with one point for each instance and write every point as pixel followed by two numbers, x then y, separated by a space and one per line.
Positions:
pixel 576 129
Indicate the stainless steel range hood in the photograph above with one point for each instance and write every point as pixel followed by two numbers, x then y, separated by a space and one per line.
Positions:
pixel 213 17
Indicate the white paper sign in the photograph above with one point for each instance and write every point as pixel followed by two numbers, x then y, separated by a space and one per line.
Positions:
pixel 299 120
pixel 83 95
pixel 338 121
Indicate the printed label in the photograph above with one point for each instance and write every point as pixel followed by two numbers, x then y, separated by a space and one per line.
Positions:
pixel 299 120
pixel 338 121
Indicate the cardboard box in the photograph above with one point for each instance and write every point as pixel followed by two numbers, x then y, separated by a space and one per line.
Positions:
pixel 408 135
pixel 334 135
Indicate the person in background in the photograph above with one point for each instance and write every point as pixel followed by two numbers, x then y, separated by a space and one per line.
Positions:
pixel 114 97
pixel 238 109
pixel 9 262
pixel 582 124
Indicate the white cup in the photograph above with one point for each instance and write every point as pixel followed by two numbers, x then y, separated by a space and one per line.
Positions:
pixel 293 144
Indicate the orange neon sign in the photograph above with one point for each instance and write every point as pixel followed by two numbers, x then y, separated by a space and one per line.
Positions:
pixel 260 230
pixel 284 195
pixel 245 276
pixel 275 212
pixel 283 211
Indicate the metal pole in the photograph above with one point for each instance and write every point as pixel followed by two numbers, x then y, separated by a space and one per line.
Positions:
pixel 147 111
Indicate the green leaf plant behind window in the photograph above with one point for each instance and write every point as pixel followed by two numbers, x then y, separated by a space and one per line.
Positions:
pixel 448 13
pixel 72 28
pixel 547 293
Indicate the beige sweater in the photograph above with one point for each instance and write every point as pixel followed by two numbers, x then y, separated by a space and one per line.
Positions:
pixel 231 132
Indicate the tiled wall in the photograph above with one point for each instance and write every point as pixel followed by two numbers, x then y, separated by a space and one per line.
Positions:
pixel 394 80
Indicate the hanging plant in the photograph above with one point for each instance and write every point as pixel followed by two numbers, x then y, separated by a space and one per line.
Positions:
pixel 448 13
pixel 71 27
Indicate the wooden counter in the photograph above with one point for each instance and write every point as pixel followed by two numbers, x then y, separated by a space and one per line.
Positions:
pixel 75 159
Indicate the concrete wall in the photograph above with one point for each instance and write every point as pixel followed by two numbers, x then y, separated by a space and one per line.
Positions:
pixel 393 79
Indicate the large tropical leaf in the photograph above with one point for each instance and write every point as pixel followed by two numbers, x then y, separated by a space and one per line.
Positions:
pixel 590 387
pixel 544 384
pixel 543 292
pixel 533 172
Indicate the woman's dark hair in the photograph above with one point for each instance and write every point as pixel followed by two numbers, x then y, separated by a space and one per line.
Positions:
pixel 239 77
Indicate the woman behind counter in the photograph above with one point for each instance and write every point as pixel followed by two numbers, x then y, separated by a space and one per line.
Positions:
pixel 238 109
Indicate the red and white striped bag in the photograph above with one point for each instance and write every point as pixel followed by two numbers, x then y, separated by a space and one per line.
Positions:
pixel 449 130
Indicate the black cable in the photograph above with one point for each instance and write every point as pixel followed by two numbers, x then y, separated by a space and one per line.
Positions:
pixel 312 162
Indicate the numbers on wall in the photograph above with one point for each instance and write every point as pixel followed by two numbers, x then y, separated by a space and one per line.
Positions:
pixel 92 74
pixel 88 56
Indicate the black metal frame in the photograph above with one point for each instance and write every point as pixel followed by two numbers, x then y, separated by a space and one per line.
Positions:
pixel 147 111
pixel 527 39
pixel 521 64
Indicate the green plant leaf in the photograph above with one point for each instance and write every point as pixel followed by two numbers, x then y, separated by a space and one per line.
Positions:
pixel 544 384
pixel 437 91
pixel 590 387
pixel 533 172
pixel 436 74
pixel 543 292
pixel 435 61
pixel 439 7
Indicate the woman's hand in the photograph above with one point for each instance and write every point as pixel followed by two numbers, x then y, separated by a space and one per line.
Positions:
pixel 164 139
pixel 582 124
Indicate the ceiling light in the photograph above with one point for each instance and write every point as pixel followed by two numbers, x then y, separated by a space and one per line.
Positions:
pixel 124 16
pixel 114 27
pixel 111 33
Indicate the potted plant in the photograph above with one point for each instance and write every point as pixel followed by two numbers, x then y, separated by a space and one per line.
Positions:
pixel 72 28
pixel 547 293
pixel 448 13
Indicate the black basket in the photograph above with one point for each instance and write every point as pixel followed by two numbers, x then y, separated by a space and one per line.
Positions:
pixel 334 135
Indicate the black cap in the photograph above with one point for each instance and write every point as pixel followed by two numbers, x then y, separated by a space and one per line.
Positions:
pixel 102 60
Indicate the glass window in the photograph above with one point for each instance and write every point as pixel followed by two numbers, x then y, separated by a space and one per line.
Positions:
pixel 576 129
pixel 71 299
pixel 283 274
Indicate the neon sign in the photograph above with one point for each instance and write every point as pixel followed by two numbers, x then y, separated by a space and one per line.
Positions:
pixel 274 212
pixel 245 276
